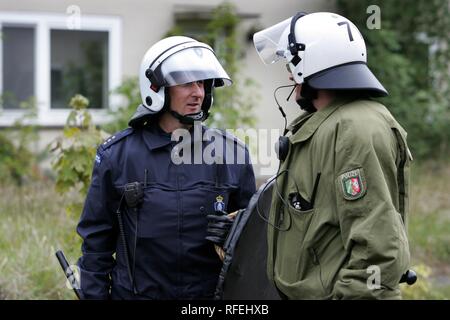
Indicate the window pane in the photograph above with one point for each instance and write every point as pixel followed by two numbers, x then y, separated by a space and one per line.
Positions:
pixel 79 64
pixel 18 65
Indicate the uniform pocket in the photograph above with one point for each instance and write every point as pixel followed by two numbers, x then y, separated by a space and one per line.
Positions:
pixel 158 215
pixel 326 256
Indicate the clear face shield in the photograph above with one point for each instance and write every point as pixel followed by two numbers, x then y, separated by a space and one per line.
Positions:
pixel 270 43
pixel 190 65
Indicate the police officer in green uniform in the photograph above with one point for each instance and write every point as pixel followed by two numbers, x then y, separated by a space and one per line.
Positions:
pixel 340 202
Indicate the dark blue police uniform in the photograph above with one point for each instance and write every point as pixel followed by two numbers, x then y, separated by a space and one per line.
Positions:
pixel 165 235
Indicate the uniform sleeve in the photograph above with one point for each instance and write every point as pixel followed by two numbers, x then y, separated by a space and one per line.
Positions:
pixel 98 230
pixel 372 229
pixel 247 186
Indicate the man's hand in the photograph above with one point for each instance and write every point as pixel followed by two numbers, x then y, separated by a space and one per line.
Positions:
pixel 219 226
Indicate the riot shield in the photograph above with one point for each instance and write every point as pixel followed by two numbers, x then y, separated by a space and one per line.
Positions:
pixel 243 275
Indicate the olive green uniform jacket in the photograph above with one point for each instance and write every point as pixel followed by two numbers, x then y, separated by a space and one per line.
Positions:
pixel 352 244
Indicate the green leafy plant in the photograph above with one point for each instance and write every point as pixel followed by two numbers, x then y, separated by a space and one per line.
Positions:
pixel 75 152
pixel 18 162
pixel 129 91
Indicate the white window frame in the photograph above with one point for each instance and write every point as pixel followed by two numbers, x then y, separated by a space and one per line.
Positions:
pixel 43 24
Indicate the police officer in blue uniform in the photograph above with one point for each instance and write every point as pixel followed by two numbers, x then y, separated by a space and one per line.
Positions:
pixel 150 221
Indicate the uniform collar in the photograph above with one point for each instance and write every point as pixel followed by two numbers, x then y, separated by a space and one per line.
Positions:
pixel 155 137
pixel 310 122
pixel 293 126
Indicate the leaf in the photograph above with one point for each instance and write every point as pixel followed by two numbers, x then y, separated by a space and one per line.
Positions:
pixel 71 132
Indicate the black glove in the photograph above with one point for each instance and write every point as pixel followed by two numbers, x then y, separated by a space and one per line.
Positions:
pixel 219 226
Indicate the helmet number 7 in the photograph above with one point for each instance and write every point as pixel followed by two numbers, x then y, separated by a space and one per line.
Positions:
pixel 348 29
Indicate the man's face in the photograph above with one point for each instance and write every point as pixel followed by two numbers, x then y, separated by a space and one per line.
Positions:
pixel 187 98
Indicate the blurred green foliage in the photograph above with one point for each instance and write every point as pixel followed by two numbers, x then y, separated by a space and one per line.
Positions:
pixel 409 54
pixel 129 91
pixel 17 161
pixel 75 151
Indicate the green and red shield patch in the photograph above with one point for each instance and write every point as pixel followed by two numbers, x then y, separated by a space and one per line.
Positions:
pixel 353 184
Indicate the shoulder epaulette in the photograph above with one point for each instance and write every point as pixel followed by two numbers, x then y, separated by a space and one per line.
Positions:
pixel 116 138
pixel 229 137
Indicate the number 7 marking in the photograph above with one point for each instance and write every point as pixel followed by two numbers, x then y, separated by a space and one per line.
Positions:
pixel 350 36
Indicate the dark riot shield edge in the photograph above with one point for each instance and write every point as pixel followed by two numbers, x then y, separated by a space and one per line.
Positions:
pixel 231 245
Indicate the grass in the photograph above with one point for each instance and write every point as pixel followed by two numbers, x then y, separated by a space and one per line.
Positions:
pixel 430 213
pixel 33 225
pixel 31 230
pixel 429 231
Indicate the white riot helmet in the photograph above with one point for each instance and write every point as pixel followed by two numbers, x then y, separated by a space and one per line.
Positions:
pixel 173 61
pixel 323 50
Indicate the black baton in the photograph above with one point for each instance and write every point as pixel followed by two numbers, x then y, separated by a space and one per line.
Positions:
pixel 409 277
pixel 69 273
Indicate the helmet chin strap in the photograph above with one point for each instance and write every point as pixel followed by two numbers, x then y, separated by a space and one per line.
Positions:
pixel 189 118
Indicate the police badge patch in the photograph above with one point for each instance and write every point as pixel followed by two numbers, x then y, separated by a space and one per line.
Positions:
pixel 219 205
pixel 353 184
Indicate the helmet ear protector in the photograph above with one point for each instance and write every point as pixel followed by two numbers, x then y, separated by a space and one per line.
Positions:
pixel 156 83
pixel 155 80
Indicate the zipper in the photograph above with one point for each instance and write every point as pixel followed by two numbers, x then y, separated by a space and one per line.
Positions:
pixel 179 222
